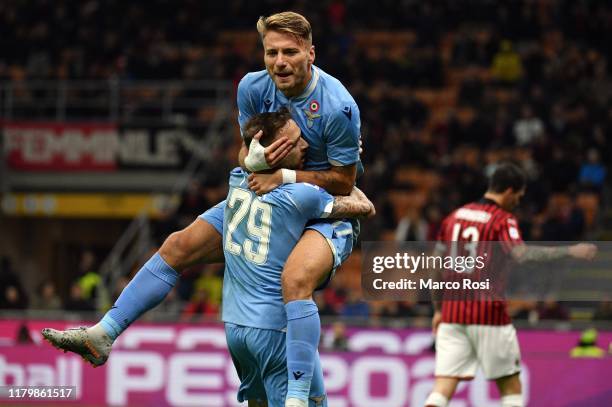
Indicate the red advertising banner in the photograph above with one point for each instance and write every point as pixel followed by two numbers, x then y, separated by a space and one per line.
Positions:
pixel 60 146
pixel 97 146
pixel 188 365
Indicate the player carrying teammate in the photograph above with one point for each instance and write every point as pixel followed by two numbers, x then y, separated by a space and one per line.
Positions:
pixel 329 120
pixel 479 332
pixel 260 233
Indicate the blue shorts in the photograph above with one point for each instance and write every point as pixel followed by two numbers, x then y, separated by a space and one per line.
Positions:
pixel 340 234
pixel 261 364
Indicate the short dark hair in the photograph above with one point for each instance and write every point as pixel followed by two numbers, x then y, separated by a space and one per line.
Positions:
pixel 269 122
pixel 507 175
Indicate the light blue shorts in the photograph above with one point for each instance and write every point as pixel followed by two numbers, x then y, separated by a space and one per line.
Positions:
pixel 261 364
pixel 340 234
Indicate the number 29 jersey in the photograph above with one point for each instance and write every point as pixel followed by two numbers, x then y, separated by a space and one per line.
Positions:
pixel 478 223
pixel 259 234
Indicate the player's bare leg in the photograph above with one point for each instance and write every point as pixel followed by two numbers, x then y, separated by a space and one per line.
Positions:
pixel 510 391
pixel 307 266
pixel 444 388
pixel 197 243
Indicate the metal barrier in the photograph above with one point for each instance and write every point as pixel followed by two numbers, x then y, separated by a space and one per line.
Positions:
pixel 134 102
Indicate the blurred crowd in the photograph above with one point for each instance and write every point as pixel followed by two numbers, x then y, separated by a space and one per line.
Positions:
pixel 445 89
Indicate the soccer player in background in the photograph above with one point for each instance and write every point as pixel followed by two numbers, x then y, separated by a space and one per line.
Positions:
pixel 479 332
pixel 260 235
pixel 329 120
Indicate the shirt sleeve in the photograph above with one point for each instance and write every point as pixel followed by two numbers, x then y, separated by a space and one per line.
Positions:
pixel 246 107
pixel 509 234
pixel 342 132
pixel 312 201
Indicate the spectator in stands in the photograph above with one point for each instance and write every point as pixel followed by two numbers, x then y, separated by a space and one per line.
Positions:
pixel 47 298
pixel 603 311
pixel 193 200
pixel 507 66
pixel 564 221
pixel 593 173
pixel 587 347
pixel 529 128
pixel 472 89
pixel 411 227
pixel 355 306
pixel 77 301
pixel 211 282
pixel 325 309
pixel 13 295
pixel 88 277
pixel 551 309
pixel 23 335
pixel 339 340
pixel 200 307
pixel 13 299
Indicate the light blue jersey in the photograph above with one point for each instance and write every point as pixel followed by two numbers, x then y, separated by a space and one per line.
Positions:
pixel 259 234
pixel 325 112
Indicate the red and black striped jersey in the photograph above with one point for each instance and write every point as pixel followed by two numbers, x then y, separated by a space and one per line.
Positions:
pixel 475 224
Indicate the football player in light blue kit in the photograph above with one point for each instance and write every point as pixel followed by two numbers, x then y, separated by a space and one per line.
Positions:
pixel 329 120
pixel 260 233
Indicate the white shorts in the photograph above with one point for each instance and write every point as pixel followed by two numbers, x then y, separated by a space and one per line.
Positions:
pixel 461 348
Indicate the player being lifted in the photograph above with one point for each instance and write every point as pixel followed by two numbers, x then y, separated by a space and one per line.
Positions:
pixel 260 233
pixel 329 120
pixel 479 332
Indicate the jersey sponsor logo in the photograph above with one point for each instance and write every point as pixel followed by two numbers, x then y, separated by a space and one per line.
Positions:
pixel 473 215
pixel 298 374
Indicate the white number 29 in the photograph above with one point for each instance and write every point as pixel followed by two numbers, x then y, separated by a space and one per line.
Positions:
pixel 259 231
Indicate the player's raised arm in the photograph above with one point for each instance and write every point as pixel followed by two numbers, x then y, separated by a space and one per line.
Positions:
pixel 355 205
pixel 524 253
pixel 258 158
pixel 336 180
pixel 342 133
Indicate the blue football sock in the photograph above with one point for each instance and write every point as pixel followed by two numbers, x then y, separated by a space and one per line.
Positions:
pixel 146 290
pixel 303 333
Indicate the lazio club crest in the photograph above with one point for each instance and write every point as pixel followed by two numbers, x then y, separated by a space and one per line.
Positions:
pixel 311 113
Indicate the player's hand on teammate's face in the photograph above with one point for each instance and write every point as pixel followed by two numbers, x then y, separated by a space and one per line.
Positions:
pixel 435 322
pixel 586 251
pixel 264 183
pixel 276 151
